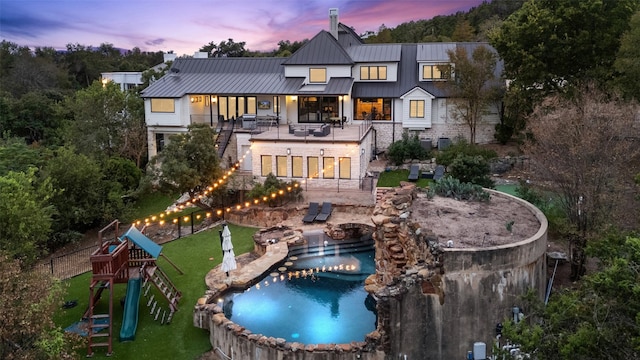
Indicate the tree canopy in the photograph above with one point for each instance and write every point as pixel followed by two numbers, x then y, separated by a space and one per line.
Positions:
pixel 554 45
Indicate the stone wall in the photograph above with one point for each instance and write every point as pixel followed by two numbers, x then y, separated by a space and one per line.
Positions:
pixel 436 302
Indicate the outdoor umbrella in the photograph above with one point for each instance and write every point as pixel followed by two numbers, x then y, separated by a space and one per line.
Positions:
pixel 229 258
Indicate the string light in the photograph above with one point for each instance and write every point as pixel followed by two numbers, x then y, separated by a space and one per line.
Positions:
pixel 217 183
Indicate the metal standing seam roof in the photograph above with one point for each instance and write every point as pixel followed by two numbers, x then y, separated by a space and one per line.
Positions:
pixel 434 52
pixel 375 53
pixel 409 73
pixel 322 49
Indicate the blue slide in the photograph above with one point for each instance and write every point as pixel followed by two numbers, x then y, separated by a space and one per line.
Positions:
pixel 130 317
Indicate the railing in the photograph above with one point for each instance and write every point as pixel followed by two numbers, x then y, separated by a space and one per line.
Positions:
pixel 68 265
pixel 107 262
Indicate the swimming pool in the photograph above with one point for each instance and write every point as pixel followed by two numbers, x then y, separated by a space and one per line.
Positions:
pixel 316 296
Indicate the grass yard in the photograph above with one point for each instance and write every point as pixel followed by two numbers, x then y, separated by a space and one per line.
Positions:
pixel 394 177
pixel 180 339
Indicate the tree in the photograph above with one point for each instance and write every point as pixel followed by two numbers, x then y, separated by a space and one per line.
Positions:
pixel 29 301
pixel 463 32
pixel 225 49
pixel 554 45
pixel 585 151
pixel 189 163
pixel 627 63
pixel 471 89
pixel 108 122
pixel 25 215
pixel 598 320
pixel 17 156
pixel 84 197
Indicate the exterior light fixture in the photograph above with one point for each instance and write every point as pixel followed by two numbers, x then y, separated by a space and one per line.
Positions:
pixel 362 151
pixel 294 98
pixel 321 152
pixel 214 99
pixel 193 99
pixel 288 151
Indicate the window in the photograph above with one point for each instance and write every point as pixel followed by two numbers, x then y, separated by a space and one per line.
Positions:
pixel 312 167
pixel 163 105
pixel 372 109
pixel 296 166
pixel 328 171
pixel 281 166
pixel 314 109
pixel 373 73
pixel 436 72
pixel 317 75
pixel 345 167
pixel 416 108
pixel 266 163
pixel 159 142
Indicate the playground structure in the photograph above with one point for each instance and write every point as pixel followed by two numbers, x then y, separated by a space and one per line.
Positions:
pixel 131 259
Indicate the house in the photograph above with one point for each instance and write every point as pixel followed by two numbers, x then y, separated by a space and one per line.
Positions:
pixel 128 80
pixel 269 111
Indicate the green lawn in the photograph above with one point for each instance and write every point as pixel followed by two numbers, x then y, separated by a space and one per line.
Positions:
pixel 180 339
pixel 509 189
pixel 393 178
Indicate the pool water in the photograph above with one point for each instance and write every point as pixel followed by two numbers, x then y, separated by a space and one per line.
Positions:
pixel 316 296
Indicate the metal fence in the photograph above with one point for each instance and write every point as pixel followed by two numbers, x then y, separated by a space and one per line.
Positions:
pixel 68 265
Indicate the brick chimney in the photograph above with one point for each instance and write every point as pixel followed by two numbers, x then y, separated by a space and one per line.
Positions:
pixel 333 22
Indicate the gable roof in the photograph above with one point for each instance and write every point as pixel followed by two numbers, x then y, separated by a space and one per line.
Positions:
pixel 322 49
pixel 347 37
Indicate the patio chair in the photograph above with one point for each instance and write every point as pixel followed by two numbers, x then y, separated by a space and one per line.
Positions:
pixel 312 212
pixel 438 173
pixel 414 173
pixel 325 212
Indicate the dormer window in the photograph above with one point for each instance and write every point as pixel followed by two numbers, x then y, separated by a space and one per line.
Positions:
pixel 436 72
pixel 373 73
pixel 318 75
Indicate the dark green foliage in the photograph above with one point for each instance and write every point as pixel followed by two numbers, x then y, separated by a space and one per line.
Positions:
pixel 16 155
pixel 462 147
pixel 407 148
pixel 504 133
pixel 25 215
pixel 284 191
pixel 84 197
pixel 596 320
pixel 471 169
pixel 453 188
pixel 124 172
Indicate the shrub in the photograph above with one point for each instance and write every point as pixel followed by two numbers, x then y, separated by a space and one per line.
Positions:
pixel 471 169
pixel 462 146
pixel 408 147
pixel 453 188
pixel 272 185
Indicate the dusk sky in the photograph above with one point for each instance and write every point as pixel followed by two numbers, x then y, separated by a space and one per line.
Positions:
pixel 185 26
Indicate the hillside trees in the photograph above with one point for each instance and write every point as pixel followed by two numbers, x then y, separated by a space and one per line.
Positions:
pixel 598 320
pixel 108 122
pixel 554 45
pixel 585 151
pixel 25 215
pixel 626 63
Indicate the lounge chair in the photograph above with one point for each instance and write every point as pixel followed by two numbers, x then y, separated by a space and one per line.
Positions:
pixel 438 173
pixel 325 212
pixel 414 173
pixel 312 212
